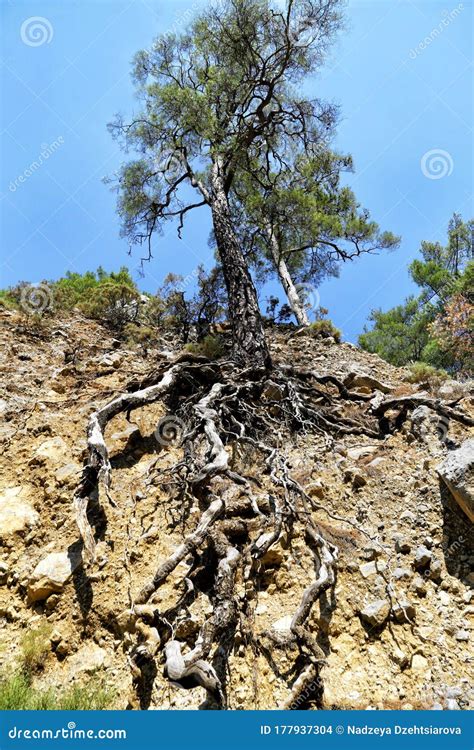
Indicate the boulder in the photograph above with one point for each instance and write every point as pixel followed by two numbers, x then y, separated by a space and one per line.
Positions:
pixel 362 380
pixel 457 472
pixel 283 624
pixel 452 390
pixel 403 610
pixel 16 515
pixel 375 614
pixel 51 451
pixel 51 574
pixel 422 557
pixel 88 659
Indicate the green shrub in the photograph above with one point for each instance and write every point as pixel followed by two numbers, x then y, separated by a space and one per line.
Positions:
pixel 17 693
pixel 35 647
pixel 112 303
pixel 323 329
pixel 211 347
pixel 138 334
pixel 420 372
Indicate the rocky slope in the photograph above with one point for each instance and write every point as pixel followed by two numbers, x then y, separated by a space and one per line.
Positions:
pixel 396 627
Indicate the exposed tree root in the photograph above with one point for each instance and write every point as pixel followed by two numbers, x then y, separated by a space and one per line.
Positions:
pixel 235 418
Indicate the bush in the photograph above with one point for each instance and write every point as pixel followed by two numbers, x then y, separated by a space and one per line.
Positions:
pixel 35 647
pixel 324 329
pixel 211 347
pixel 420 372
pixel 138 334
pixel 17 693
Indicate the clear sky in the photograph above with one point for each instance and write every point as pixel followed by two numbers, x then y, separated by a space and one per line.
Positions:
pixel 401 72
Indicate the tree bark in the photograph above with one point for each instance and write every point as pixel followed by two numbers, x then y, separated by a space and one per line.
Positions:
pixel 292 295
pixel 249 344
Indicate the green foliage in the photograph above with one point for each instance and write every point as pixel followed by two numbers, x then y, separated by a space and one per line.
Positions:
pixel 301 215
pixel 35 647
pixel 400 334
pixel 420 372
pixel 212 347
pixel 112 298
pixel 7 301
pixel 324 329
pixel 430 328
pixel 17 693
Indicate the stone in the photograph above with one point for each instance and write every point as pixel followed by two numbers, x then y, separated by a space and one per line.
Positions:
pixel 16 514
pixel 3 572
pixel 436 570
pixel 361 452
pixel 419 663
pixel 88 659
pixel 422 557
pixel 401 574
pixel 376 614
pixel 51 451
pixel 462 635
pixel 355 478
pixel 373 567
pixel 283 624
pixel 444 598
pixel 362 380
pixel 51 574
pixel 403 609
pixel 402 544
pixel 188 627
pixel 419 586
pixel 399 657
pixel 452 705
pixel 457 472
pixel 111 359
pixel 63 648
pixel 66 473
pixel 452 390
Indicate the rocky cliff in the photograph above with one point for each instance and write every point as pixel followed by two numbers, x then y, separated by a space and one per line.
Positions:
pixel 392 630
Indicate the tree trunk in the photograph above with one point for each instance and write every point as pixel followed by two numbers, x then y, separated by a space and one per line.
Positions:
pixel 249 344
pixel 292 295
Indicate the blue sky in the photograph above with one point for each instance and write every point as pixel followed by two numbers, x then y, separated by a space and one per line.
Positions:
pixel 401 72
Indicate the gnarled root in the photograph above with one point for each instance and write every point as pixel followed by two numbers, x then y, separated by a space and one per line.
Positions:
pixel 235 419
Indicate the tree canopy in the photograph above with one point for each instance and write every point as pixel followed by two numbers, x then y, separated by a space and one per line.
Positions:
pixel 437 326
